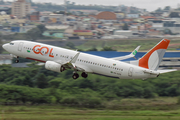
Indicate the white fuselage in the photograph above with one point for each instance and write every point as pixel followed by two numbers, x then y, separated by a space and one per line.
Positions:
pixel 91 63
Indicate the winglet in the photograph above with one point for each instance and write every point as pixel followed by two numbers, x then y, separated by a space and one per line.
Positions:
pixel 135 51
pixel 75 58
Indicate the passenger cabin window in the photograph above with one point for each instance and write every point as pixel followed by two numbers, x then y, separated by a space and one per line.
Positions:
pixel 11 43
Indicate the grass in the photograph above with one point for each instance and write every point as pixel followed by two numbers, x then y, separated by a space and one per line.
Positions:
pixel 127 44
pixel 75 114
pixel 58 112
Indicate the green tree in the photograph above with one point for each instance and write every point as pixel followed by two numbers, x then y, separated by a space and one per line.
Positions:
pixel 167 8
pixel 85 83
pixel 159 10
pixel 42 28
pixel 1 38
pixel 92 49
pixel 70 45
pixel 69 100
pixel 41 81
pixel 106 48
pixel 168 31
pixel 55 82
pixel 34 33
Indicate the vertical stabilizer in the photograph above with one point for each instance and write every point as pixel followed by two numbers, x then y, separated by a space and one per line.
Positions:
pixel 153 58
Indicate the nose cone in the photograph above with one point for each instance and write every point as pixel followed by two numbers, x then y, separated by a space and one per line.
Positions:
pixel 5 46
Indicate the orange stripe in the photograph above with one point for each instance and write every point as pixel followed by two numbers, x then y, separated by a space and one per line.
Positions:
pixel 143 62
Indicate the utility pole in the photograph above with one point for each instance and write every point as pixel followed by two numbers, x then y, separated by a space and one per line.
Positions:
pixel 65 7
pixel 65 10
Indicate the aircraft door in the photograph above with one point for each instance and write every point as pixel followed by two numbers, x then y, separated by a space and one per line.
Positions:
pixel 130 72
pixel 20 46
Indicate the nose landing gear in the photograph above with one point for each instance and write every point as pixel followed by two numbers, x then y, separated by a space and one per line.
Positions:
pixel 17 60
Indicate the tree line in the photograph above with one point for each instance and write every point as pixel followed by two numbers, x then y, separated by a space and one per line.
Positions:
pixel 36 85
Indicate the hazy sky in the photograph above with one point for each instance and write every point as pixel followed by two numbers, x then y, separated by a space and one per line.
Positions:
pixel 150 5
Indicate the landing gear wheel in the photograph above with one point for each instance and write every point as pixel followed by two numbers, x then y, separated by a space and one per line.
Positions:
pixel 62 69
pixel 75 76
pixel 17 61
pixel 84 75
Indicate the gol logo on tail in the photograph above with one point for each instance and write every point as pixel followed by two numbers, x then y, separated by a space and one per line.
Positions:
pixel 39 50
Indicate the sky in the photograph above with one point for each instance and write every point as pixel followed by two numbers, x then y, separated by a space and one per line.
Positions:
pixel 149 5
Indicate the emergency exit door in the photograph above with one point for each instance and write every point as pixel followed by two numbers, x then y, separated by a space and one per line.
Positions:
pixel 20 46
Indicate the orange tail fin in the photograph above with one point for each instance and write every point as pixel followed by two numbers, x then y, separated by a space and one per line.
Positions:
pixel 153 58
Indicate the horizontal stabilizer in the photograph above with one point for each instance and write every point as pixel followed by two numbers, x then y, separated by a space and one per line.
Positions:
pixel 151 72
pixel 127 56
pixel 166 71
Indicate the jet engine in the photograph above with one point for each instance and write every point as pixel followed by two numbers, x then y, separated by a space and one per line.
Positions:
pixel 53 66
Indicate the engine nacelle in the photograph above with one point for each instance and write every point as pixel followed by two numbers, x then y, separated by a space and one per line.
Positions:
pixel 53 66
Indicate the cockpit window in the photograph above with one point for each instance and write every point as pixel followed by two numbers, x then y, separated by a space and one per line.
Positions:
pixel 11 43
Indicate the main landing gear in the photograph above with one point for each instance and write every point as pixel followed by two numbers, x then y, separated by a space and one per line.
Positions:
pixel 84 75
pixel 76 75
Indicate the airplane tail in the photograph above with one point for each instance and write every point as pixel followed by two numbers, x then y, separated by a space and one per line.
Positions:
pixel 152 59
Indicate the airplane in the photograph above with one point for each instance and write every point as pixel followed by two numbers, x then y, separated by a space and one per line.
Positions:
pixel 59 59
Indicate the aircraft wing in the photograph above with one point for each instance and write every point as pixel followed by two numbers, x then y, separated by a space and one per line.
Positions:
pixel 72 65
pixel 127 56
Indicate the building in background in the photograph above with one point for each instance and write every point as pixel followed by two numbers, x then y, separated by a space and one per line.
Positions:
pixel 167 24
pixel 126 33
pixel 55 31
pixel 83 33
pixel 106 15
pixel 21 8
pixel 52 18
pixel 35 16
pixel 25 29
